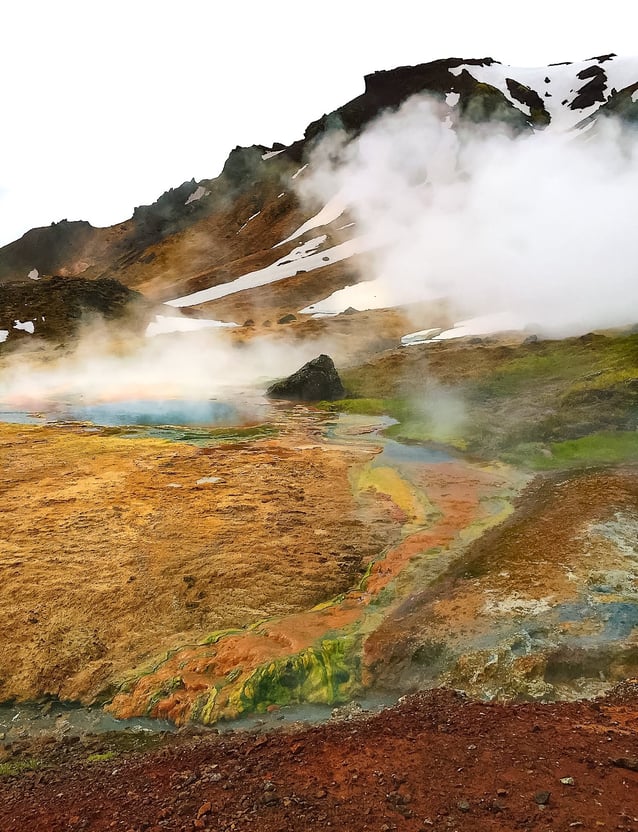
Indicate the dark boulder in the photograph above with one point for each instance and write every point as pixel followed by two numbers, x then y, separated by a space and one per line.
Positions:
pixel 287 319
pixel 318 380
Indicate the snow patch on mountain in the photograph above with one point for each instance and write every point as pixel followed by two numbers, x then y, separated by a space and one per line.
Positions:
pixel 252 217
pixel 483 325
pixel 558 85
pixel 197 195
pixel 420 337
pixel 167 325
pixel 26 326
pixel 304 258
pixel 300 171
pixel 495 78
pixel 472 327
pixel 329 213
pixel 371 294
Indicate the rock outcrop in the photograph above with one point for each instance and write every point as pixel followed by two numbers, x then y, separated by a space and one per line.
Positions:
pixel 54 308
pixel 318 380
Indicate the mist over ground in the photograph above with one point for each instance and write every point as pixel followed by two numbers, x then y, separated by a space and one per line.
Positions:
pixel 103 366
pixel 536 227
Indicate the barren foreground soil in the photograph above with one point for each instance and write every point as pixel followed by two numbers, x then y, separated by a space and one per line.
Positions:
pixel 436 761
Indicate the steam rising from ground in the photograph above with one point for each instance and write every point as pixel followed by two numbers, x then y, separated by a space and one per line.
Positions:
pixel 540 226
pixel 103 367
pixel 441 410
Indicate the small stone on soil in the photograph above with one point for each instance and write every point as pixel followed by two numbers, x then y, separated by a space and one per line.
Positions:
pixel 630 763
pixel 204 809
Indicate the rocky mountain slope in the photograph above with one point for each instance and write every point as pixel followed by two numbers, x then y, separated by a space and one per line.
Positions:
pixel 243 246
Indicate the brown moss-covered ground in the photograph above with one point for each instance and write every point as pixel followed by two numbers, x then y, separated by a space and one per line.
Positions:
pixel 437 761
pixel 111 552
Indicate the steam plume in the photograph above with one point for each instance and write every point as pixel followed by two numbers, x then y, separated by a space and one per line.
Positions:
pixel 104 367
pixel 538 226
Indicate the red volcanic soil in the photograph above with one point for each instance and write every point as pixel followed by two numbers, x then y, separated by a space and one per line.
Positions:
pixel 436 761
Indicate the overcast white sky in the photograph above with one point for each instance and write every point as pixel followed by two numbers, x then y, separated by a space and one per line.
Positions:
pixel 108 103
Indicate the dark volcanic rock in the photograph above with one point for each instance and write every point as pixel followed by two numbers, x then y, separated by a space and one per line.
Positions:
pixel 532 99
pixel 593 91
pixel 317 380
pixel 388 89
pixel 57 306
pixel 47 249
pixel 620 104
pixel 242 164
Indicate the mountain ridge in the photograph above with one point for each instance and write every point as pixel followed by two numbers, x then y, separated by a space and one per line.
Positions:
pixel 247 220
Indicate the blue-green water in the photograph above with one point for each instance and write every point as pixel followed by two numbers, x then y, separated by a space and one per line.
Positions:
pixel 31 719
pixel 21 417
pixel 345 429
pixel 154 412
pixel 133 412
pixel 395 452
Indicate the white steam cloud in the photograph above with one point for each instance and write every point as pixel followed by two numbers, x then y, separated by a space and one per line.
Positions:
pixel 104 366
pixel 538 226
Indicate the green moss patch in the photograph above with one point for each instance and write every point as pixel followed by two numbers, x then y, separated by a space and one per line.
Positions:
pixel 365 406
pixel 514 402
pixel 328 673
pixel 17 767
pixel 605 448
pixel 101 757
pixel 204 436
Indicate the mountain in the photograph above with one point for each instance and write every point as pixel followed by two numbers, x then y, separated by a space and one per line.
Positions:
pixel 242 246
